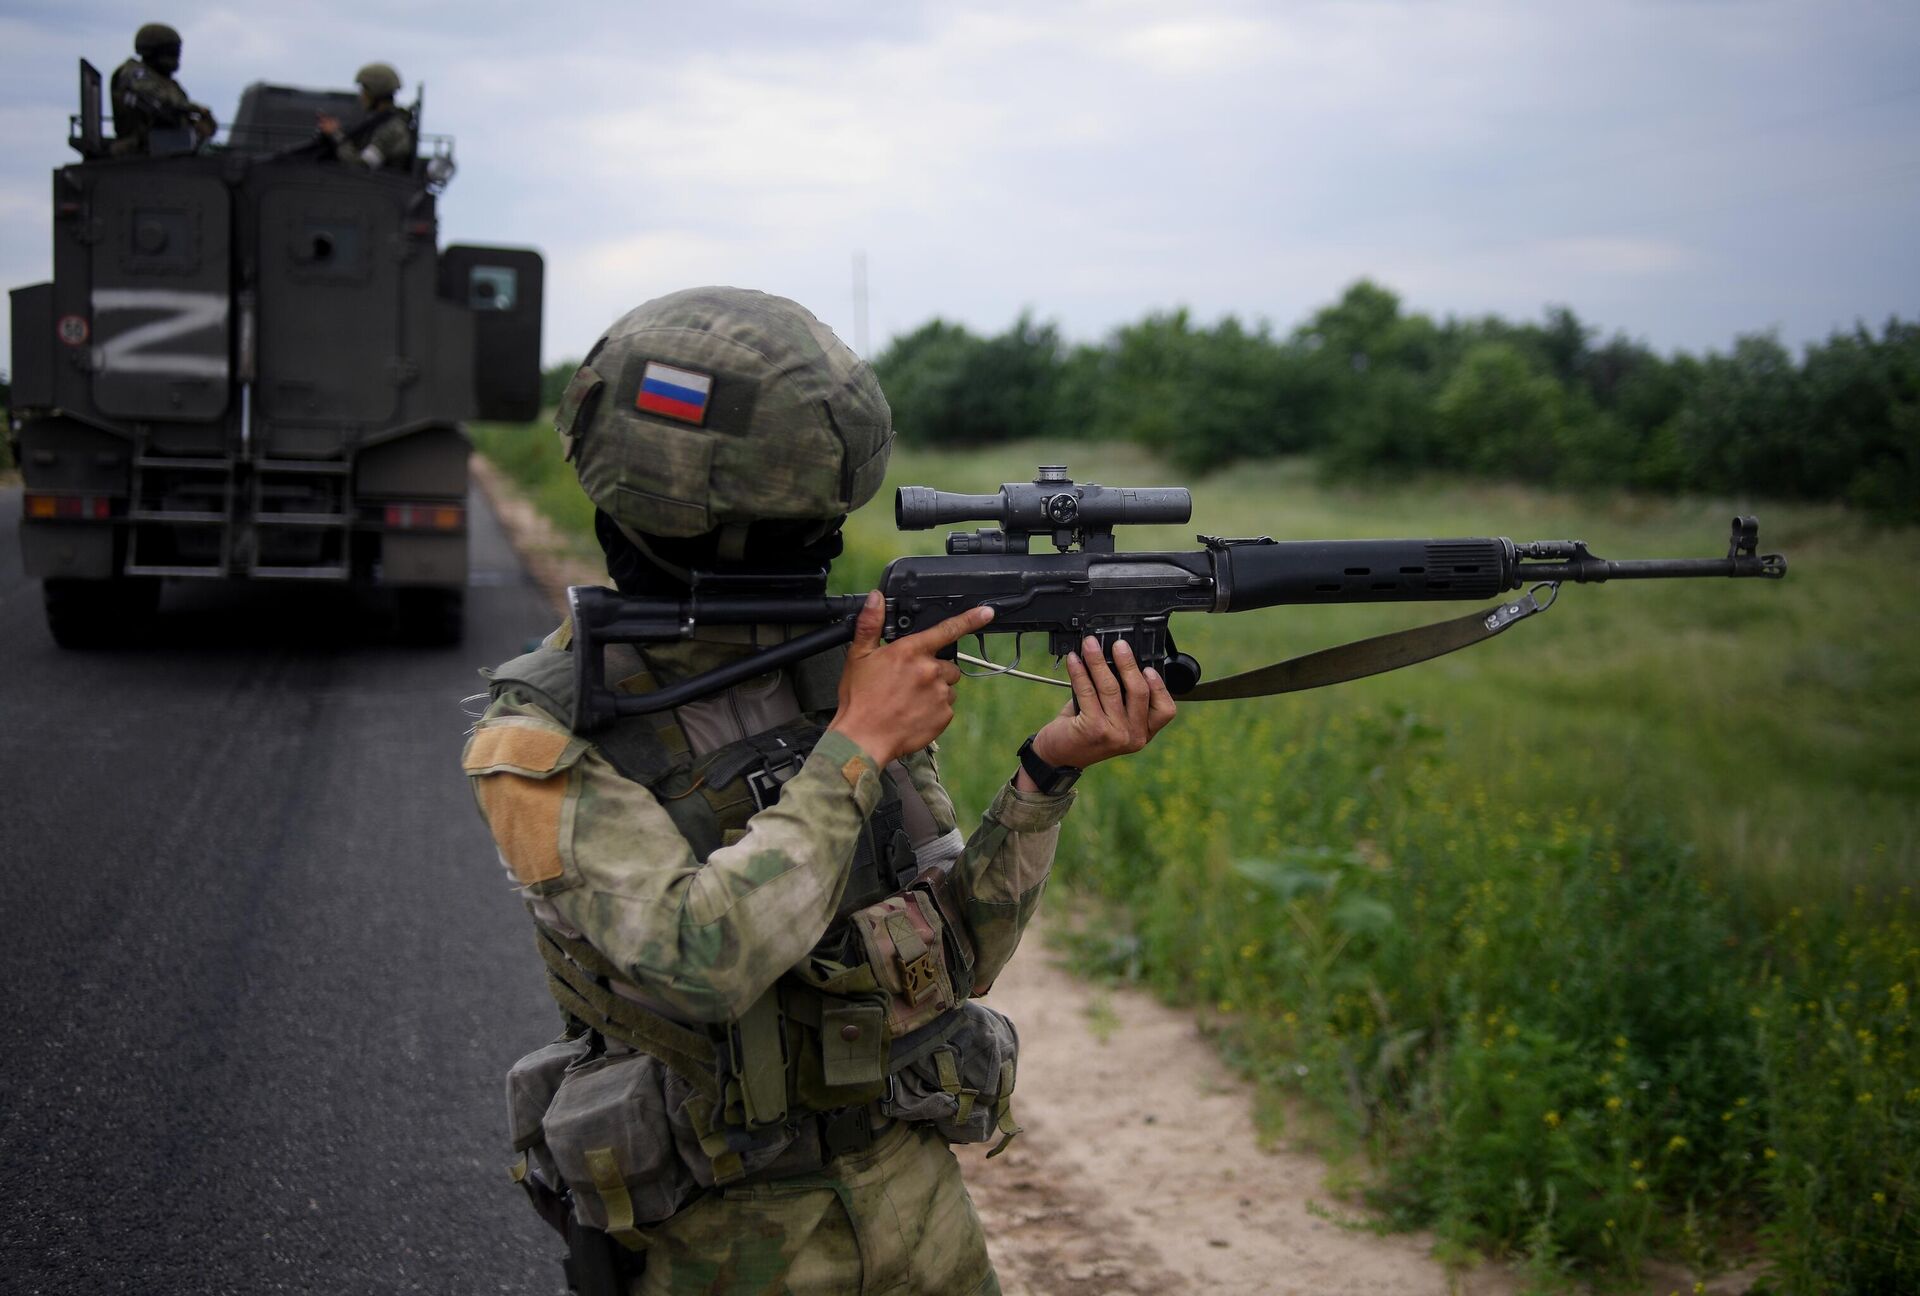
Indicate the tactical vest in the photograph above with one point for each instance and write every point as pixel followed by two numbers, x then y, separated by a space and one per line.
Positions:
pixel 878 992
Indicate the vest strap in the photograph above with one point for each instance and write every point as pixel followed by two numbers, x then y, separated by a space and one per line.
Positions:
pixel 758 1062
pixel 578 980
pixel 611 1184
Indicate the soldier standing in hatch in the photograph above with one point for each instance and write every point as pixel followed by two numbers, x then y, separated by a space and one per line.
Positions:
pixel 760 919
pixel 384 137
pixel 146 96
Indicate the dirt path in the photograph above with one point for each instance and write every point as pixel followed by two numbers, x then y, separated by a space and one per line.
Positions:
pixel 1140 1170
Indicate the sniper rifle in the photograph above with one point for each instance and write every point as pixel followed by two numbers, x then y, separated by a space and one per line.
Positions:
pixel 1087 586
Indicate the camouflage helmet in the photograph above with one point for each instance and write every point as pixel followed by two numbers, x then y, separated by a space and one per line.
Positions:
pixel 379 80
pixel 713 408
pixel 154 37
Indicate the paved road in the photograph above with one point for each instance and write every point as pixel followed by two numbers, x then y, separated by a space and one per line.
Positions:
pixel 262 975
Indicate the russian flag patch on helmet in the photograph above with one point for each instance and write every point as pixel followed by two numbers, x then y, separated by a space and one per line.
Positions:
pixel 674 393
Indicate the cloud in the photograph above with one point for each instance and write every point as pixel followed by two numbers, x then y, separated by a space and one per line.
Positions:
pixel 1673 171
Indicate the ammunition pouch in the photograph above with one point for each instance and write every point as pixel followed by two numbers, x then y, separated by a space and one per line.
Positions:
pixel 531 1084
pixel 608 1131
pixel 962 1085
pixel 914 955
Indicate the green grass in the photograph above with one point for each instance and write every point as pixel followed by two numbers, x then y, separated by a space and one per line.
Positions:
pixel 1599 938
pixel 529 453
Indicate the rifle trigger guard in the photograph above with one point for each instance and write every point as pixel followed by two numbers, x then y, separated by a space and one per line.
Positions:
pixel 994 667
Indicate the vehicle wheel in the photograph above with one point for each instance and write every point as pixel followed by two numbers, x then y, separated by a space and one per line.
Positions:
pixel 100 613
pixel 432 617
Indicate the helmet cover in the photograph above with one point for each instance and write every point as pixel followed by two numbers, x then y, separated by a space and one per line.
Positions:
pixel 718 407
pixel 379 80
pixel 154 37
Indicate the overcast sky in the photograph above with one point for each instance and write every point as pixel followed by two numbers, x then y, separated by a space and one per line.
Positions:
pixel 1679 172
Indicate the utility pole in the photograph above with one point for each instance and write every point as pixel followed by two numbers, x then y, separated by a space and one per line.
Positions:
pixel 860 305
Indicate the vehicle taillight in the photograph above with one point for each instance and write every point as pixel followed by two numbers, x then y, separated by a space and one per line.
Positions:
pixel 88 507
pixel 425 517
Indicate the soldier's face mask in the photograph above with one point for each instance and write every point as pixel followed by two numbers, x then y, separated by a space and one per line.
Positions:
pixel 165 60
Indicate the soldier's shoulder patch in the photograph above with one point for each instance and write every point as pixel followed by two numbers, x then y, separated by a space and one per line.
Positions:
pixel 520 745
pixel 518 766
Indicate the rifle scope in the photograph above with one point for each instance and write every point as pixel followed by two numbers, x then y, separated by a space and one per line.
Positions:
pixel 1050 502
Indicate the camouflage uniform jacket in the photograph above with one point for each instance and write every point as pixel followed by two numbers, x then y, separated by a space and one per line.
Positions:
pixel 596 852
pixel 143 99
pixel 384 138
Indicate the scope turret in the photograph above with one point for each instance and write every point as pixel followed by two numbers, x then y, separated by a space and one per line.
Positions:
pixel 1050 502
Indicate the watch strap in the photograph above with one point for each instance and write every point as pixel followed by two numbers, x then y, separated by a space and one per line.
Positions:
pixel 1052 780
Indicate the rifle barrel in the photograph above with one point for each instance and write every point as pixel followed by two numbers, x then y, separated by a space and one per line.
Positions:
pixel 1593 570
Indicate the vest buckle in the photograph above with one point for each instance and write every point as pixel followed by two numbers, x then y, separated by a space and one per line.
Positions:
pixel 765 782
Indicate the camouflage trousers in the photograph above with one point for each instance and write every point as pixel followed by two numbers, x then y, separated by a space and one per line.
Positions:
pixel 894 1220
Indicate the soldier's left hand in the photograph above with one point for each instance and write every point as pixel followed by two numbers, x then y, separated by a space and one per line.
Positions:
pixel 1119 709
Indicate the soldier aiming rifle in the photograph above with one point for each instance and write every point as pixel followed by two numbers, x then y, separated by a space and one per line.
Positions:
pixel 760 918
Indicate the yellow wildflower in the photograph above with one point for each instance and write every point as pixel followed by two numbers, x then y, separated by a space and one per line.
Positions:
pixel 1552 1119
pixel 1677 1142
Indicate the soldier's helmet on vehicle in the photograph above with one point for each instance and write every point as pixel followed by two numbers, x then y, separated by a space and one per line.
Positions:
pixel 159 45
pixel 378 81
pixel 714 410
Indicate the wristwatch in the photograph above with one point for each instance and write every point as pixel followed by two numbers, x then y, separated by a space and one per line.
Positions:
pixel 1052 780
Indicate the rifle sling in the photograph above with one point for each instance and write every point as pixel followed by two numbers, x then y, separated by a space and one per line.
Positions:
pixel 1373 656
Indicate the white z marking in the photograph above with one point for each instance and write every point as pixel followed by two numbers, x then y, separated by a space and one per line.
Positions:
pixel 185 313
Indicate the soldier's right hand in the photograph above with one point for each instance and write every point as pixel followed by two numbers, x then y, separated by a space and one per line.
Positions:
pixel 897 697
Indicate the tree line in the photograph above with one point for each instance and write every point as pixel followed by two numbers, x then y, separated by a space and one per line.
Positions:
pixel 1370 389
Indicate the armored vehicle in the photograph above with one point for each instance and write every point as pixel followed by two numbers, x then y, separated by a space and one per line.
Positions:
pixel 252 363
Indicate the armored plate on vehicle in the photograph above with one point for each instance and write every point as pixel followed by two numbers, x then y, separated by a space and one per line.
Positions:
pixel 252 362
